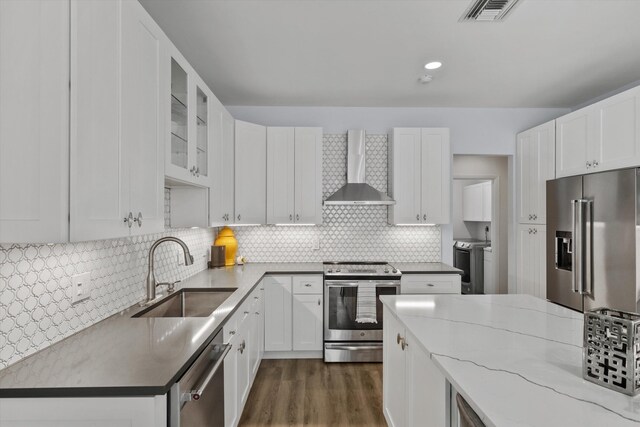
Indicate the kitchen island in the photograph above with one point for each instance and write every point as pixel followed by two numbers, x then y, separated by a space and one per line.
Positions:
pixel 516 359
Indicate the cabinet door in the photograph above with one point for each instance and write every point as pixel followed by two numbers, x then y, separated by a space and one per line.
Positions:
pixel 525 276
pixel 616 143
pixel 472 202
pixel 486 201
pixel 251 173
pixel 307 322
pixel 435 176
pixel 202 109
pixel 277 307
pixel 405 165
pixel 393 372
pixel 222 183
pixel 244 366
pixel 542 169
pixel 573 136
pixel 142 68
pixel 280 175
pixel 231 402
pixel 539 259
pixel 426 389
pixel 34 121
pixel 524 142
pixel 84 411
pixel 257 336
pixel 99 170
pixel 308 175
pixel 179 145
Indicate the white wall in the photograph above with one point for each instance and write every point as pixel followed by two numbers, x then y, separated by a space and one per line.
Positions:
pixel 473 131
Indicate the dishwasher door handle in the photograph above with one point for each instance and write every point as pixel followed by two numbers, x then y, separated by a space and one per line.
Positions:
pixel 197 393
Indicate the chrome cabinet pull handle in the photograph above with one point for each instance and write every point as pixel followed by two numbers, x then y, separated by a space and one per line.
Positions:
pixel 588 165
pixel 138 219
pixel 129 220
pixel 319 302
pixel 238 217
pixel 595 163
pixel 424 217
pixel 430 285
pixel 308 285
pixel 398 338
pixel 290 217
pixel 297 217
pixel 404 344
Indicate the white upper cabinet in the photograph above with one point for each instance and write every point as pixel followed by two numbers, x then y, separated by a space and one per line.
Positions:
pixel 602 136
pixel 222 158
pixel 34 121
pixel 280 175
pixel 250 173
pixel 294 175
pixel 535 157
pixel 188 138
pixel 419 176
pixel 117 158
pixel 487 201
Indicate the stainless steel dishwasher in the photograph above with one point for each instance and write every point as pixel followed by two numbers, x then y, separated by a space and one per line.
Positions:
pixel 197 400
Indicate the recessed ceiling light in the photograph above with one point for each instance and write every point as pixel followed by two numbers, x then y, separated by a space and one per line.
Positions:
pixel 433 65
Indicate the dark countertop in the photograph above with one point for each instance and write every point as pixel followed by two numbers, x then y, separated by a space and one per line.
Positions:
pixel 425 268
pixel 127 356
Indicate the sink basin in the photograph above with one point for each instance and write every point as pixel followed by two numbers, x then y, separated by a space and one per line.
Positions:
pixel 188 303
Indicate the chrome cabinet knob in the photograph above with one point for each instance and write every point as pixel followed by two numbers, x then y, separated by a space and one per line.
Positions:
pixel 398 338
pixel 197 172
pixel 290 217
pixel 308 285
pixel 319 302
pixel 297 217
pixel 238 217
pixel 424 217
pixel 535 216
pixel 418 217
pixel 535 231
pixel 129 220
pixel 138 219
pixel 588 165
pixel 595 163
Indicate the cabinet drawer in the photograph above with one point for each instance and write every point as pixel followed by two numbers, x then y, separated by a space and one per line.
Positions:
pixel 307 284
pixel 430 284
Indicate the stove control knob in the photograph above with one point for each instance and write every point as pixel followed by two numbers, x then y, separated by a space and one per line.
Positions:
pixel 386 270
pixel 338 270
pixel 329 271
pixel 395 271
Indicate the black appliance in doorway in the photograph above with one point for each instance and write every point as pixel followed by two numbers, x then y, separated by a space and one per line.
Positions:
pixel 468 256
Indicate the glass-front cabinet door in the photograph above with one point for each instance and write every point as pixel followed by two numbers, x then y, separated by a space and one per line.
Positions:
pixel 202 130
pixel 179 117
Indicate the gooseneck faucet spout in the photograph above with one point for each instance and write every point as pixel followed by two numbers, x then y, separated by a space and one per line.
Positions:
pixel 151 278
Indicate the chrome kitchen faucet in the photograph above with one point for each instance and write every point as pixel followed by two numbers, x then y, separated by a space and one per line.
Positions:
pixel 151 278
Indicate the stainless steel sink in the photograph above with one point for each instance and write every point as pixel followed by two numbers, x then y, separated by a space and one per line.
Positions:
pixel 188 303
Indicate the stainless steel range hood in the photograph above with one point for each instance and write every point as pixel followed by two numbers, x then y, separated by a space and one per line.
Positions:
pixel 356 191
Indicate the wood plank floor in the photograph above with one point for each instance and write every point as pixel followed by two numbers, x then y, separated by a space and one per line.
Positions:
pixel 313 393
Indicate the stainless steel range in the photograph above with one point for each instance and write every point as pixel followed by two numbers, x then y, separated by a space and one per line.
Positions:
pixel 353 311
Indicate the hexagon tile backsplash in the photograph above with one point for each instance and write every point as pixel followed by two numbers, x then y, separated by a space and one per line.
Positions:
pixel 35 284
pixel 355 233
pixel 35 280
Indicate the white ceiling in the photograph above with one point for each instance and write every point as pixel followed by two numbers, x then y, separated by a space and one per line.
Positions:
pixel 548 53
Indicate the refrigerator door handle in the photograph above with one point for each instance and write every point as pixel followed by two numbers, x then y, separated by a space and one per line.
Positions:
pixel 588 248
pixel 577 240
pixel 581 256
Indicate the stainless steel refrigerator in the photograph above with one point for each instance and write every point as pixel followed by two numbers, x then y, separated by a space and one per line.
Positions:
pixel 592 226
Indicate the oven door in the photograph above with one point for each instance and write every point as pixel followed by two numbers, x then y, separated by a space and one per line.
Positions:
pixel 340 305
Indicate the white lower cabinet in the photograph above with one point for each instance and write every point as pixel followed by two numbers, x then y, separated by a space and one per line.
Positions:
pixel 244 331
pixel 414 390
pixel 430 284
pixel 278 315
pixel 293 313
pixel 307 322
pixel 84 411
pixel 531 260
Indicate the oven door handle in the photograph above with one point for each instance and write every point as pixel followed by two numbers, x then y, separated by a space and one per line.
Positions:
pixel 351 284
pixel 197 393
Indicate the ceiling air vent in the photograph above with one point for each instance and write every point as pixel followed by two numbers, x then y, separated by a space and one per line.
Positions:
pixel 488 10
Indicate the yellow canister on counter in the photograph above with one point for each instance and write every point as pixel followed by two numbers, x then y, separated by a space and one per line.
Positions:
pixel 226 238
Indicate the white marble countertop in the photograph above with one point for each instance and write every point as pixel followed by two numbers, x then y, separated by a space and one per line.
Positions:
pixel 516 359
